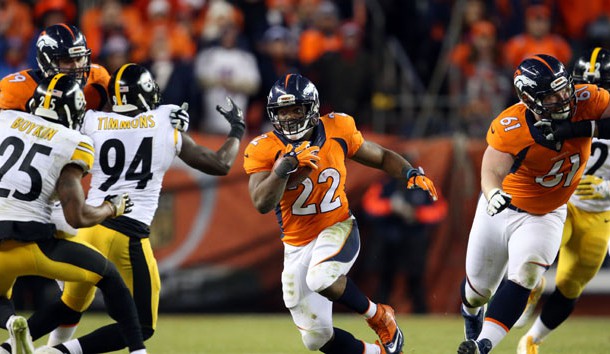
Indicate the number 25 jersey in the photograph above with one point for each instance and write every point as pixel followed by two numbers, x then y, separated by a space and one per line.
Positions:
pixel 320 200
pixel 132 155
pixel 545 173
pixel 33 152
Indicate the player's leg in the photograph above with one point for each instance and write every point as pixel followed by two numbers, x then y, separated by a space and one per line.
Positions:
pixel 528 258
pixel 135 260
pixel 76 262
pixel 486 259
pixel 579 260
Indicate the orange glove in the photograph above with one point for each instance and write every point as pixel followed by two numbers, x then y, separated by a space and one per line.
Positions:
pixel 305 154
pixel 417 179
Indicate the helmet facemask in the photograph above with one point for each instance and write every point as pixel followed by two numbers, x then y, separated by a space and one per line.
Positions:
pixel 294 128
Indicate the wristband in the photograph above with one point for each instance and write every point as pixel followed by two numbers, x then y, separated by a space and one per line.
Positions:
pixel 237 131
pixel 285 168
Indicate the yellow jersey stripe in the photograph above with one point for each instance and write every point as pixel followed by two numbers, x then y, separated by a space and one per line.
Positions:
pixel 85 146
pixel 85 156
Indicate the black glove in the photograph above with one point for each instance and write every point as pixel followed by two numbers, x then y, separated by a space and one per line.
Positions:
pixel 560 130
pixel 235 117
pixel 120 204
pixel 180 117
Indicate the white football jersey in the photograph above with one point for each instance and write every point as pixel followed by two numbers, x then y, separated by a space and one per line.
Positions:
pixel 598 165
pixel 33 151
pixel 132 155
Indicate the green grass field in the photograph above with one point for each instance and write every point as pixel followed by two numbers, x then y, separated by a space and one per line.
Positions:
pixel 275 334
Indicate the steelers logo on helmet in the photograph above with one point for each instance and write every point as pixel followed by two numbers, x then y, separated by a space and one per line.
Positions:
pixel 133 90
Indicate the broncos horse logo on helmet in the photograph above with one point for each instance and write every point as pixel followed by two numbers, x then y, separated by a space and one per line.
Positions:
pixel 290 90
pixel 133 90
pixel 60 99
pixel 593 68
pixel 540 78
pixel 63 48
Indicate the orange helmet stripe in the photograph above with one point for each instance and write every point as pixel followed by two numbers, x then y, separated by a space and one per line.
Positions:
pixel 49 93
pixel 594 55
pixel 69 29
pixel 543 62
pixel 286 80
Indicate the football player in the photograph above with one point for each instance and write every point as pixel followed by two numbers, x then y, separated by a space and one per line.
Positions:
pixel 587 231
pixel 45 157
pixel 59 48
pixel 135 145
pixel 528 174
pixel 320 234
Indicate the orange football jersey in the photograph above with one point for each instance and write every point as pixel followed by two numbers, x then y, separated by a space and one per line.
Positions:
pixel 320 201
pixel 16 89
pixel 545 173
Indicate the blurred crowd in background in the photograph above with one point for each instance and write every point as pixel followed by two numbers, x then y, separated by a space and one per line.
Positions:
pixel 417 68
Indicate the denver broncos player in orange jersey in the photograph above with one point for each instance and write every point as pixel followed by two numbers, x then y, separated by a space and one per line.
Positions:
pixel 526 181
pixel 320 235
pixel 59 48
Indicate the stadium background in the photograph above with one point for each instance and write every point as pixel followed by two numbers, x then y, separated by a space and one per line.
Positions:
pixel 216 253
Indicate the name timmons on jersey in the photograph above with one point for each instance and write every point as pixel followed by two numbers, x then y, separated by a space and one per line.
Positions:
pixel 34 129
pixel 140 122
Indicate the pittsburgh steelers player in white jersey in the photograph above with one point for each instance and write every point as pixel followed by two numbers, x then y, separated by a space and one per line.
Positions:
pixel 135 145
pixel 587 230
pixel 42 157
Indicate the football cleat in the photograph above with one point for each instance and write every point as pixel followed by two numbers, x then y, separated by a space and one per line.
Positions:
pixel 384 324
pixel 472 323
pixel 472 346
pixel 20 339
pixel 47 350
pixel 532 301
pixel 527 346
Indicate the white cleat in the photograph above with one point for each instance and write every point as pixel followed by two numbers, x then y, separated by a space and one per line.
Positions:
pixel 527 346
pixel 21 341
pixel 47 350
pixel 532 301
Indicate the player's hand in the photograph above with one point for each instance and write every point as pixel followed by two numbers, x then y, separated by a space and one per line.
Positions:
pixel 560 130
pixel 417 179
pixel 304 153
pixel 593 187
pixel 120 204
pixel 235 117
pixel 180 117
pixel 498 201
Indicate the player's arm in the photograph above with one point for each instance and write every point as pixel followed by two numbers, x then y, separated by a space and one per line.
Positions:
pixel 266 190
pixel 72 197
pixel 374 155
pixel 495 166
pixel 217 163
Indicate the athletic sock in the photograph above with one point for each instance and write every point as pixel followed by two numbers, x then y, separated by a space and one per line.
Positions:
pixel 343 342
pixel 353 298
pixel 61 334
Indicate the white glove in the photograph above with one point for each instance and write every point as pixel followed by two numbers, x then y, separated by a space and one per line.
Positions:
pixel 120 204
pixel 593 187
pixel 180 118
pixel 498 201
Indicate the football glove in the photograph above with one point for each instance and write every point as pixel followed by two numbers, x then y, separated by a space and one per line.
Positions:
pixel 593 187
pixel 417 179
pixel 305 154
pixel 120 204
pixel 498 201
pixel 235 117
pixel 180 118
pixel 560 130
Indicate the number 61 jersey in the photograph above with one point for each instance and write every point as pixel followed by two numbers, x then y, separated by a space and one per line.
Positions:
pixel 545 173
pixel 33 152
pixel 132 155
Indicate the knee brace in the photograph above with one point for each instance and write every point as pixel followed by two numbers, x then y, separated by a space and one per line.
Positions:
pixel 314 339
pixel 321 276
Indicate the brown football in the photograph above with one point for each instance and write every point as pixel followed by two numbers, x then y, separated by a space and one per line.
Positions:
pixel 298 176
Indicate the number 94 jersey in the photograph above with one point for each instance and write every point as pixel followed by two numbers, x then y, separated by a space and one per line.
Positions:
pixel 320 200
pixel 545 173
pixel 33 151
pixel 132 155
